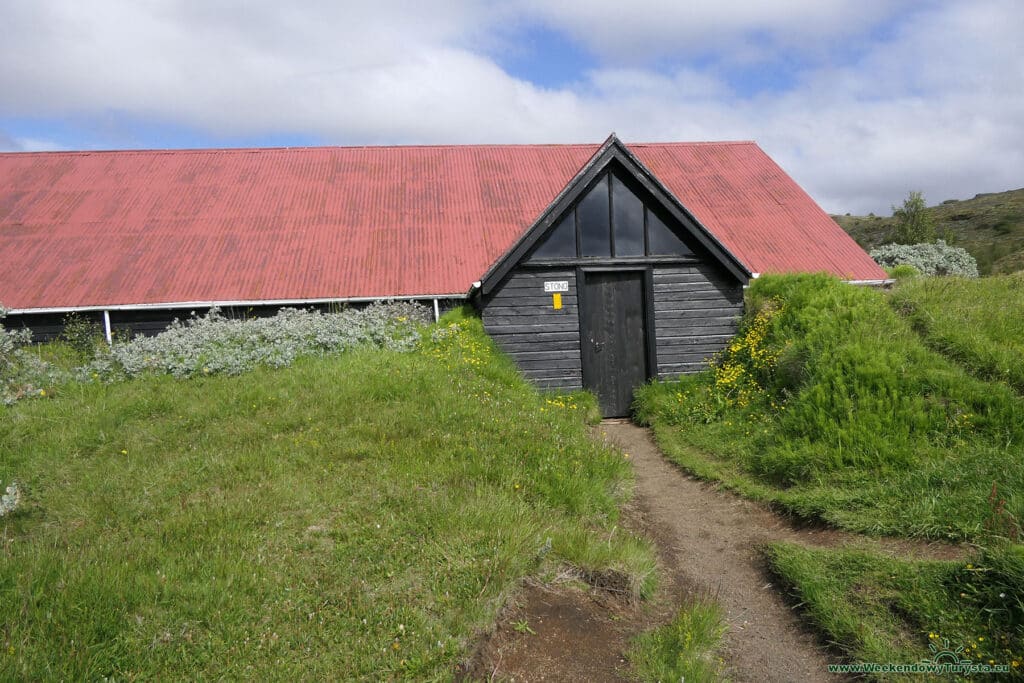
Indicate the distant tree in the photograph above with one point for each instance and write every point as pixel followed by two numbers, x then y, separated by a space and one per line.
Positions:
pixel 914 225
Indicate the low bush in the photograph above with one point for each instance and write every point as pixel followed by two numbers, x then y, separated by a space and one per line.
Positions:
pixel 928 258
pixel 213 344
pixel 22 372
pixel 207 345
pixel 81 334
pixel 902 271
pixel 11 499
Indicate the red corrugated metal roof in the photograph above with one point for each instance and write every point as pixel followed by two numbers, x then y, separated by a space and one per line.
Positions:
pixel 756 210
pixel 152 227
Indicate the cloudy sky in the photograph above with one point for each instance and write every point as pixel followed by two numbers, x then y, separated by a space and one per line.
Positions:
pixel 860 100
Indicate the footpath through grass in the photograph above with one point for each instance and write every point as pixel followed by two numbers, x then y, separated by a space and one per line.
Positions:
pixel 830 405
pixel 358 516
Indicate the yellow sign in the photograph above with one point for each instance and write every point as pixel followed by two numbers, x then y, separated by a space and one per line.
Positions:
pixel 556 301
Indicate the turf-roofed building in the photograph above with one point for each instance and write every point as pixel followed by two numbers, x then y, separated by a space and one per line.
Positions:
pixel 596 266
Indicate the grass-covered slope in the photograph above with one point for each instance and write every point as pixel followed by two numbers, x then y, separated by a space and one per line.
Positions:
pixel 978 323
pixel 884 610
pixel 356 516
pixel 989 226
pixel 830 405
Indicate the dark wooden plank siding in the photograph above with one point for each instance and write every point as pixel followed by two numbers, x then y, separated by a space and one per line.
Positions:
pixel 543 342
pixel 48 326
pixel 696 311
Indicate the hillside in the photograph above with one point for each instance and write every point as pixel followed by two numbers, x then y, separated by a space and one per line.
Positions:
pixel 990 227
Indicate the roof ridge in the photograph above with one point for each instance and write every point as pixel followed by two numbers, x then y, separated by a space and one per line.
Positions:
pixel 691 143
pixel 298 148
pixel 317 148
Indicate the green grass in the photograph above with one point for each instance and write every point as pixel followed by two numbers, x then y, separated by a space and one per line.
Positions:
pixel 885 610
pixel 978 323
pixel 989 226
pixel 360 516
pixel 852 419
pixel 62 355
pixel 685 649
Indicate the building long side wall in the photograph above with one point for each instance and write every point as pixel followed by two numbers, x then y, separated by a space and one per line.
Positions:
pixel 542 340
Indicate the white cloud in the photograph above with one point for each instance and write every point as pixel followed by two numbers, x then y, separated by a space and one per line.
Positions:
pixel 26 144
pixel 931 102
pixel 10 143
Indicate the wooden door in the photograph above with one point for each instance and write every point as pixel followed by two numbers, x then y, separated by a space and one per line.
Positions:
pixel 613 338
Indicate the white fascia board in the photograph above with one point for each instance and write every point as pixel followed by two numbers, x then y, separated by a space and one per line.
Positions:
pixel 178 305
pixel 870 283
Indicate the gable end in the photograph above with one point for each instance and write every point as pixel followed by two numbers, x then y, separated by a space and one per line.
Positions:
pixel 612 153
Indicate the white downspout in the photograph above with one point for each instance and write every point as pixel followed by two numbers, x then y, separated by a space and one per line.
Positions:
pixel 437 311
pixel 106 328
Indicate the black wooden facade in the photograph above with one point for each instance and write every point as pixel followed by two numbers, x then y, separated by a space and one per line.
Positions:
pixel 615 284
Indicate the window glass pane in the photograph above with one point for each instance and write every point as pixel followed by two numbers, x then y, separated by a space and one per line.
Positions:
pixel 595 231
pixel 661 240
pixel 627 220
pixel 560 242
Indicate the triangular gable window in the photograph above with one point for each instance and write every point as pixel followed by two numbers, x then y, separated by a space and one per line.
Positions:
pixel 662 240
pixel 612 222
pixel 561 241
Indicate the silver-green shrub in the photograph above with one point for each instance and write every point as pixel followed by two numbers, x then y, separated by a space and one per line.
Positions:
pixel 22 373
pixel 213 344
pixel 936 258
pixel 10 500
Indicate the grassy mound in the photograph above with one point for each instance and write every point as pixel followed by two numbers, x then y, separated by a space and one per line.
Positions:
pixel 886 610
pixel 829 404
pixel 357 516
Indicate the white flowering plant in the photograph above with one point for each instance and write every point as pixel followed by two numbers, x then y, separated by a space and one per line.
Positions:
pixel 936 258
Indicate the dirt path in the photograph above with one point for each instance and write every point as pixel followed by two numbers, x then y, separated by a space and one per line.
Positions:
pixel 707 541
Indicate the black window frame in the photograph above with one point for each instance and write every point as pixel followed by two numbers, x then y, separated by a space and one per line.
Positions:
pixel 610 178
